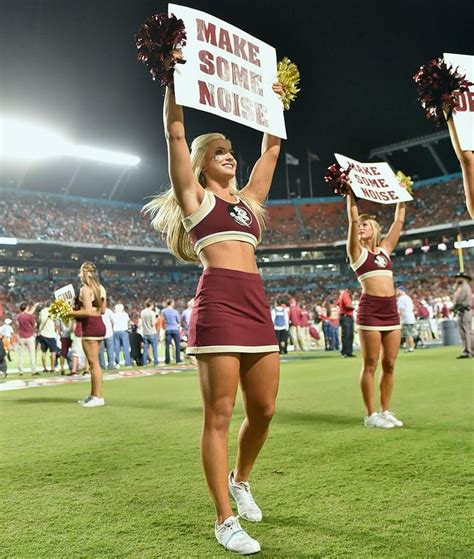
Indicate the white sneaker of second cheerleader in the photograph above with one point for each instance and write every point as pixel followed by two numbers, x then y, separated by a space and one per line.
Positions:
pixel 246 505
pixel 232 537
pixel 390 417
pixel 377 420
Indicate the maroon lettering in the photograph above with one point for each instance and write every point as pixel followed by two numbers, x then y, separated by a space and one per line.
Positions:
pixel 255 82
pixel 247 109
pixel 392 195
pixel 236 104
pixel 206 33
pixel 207 65
pixel 223 68
pixel 240 76
pixel 224 100
pixel 224 41
pixel 464 101
pixel 253 51
pixel 206 94
pixel 261 114
pixel 239 47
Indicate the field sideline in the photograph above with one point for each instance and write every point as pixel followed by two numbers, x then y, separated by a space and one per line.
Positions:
pixel 125 480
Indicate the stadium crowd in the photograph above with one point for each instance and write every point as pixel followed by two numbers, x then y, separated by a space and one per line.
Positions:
pixel 59 218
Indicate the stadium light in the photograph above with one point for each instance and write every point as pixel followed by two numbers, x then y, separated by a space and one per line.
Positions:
pixel 26 140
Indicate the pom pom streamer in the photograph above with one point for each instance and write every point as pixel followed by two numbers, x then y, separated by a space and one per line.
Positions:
pixel 155 40
pixel 289 76
pixel 60 310
pixel 405 181
pixel 436 83
pixel 338 179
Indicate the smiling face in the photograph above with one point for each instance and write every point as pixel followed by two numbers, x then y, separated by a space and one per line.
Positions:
pixel 219 162
pixel 366 231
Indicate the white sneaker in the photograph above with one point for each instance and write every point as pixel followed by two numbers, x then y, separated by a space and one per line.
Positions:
pixel 377 420
pixel 232 537
pixel 84 400
pixel 391 418
pixel 94 402
pixel 246 505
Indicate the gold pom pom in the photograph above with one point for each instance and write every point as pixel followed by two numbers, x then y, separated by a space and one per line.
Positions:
pixel 289 76
pixel 60 310
pixel 405 181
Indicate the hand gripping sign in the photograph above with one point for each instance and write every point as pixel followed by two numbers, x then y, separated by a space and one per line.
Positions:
pixel 228 73
pixel 463 115
pixel 374 181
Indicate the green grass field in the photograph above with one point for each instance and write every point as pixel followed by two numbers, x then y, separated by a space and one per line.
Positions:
pixel 125 480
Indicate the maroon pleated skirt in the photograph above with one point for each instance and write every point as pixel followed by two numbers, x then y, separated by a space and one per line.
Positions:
pixel 230 315
pixel 93 327
pixel 377 313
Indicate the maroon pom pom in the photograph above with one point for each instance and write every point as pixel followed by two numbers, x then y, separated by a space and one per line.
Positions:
pixel 436 83
pixel 155 40
pixel 338 179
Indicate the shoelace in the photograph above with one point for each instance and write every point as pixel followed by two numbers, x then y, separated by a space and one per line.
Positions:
pixel 246 488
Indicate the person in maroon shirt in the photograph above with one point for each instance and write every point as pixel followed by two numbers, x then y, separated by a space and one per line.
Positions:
pixel 295 324
pixel 346 321
pixel 26 336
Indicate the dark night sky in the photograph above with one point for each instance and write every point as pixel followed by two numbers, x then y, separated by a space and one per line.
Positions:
pixel 72 64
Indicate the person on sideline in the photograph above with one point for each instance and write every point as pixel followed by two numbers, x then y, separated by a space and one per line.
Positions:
pixel 107 345
pixel 172 325
pixel 90 305
pixel 346 321
pixel 406 310
pixel 150 336
pixel 207 218
pixel 47 331
pixel 463 308
pixel 377 316
pixel 121 323
pixel 281 325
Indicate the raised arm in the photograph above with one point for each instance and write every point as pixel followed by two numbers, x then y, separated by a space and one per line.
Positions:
pixel 186 188
pixel 353 244
pixel 466 160
pixel 263 170
pixel 391 240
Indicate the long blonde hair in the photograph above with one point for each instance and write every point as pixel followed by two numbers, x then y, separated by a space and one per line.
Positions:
pixel 166 215
pixel 376 229
pixel 89 278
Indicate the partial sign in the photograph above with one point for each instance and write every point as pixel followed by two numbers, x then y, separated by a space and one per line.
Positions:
pixel 228 73
pixel 66 293
pixel 374 181
pixel 464 114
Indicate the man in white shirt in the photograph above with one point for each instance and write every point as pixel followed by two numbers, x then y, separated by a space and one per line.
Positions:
pixel 120 323
pixel 47 338
pixel 406 311
pixel 107 344
pixel 150 337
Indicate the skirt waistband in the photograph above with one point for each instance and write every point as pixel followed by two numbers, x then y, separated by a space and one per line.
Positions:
pixel 229 273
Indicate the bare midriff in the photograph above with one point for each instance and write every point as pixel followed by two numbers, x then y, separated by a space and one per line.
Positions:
pixel 379 286
pixel 233 255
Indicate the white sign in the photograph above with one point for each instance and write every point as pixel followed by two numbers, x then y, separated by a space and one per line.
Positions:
pixel 66 293
pixel 464 114
pixel 228 73
pixel 374 181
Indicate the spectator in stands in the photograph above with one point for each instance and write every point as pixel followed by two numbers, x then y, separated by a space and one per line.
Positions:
pixel 231 328
pixel 407 318
pixel 90 305
pixel 346 321
pixel 377 316
pixel 26 336
pixel 107 345
pixel 466 160
pixel 47 338
pixel 120 324
pixel 281 325
pixel 150 337
pixel 463 307
pixel 172 324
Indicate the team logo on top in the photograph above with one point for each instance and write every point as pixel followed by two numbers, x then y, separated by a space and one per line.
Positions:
pixel 240 215
pixel 381 261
